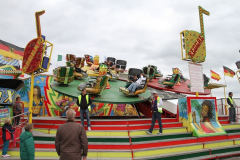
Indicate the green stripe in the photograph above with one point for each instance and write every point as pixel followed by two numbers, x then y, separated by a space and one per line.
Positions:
pixel 184 156
pixel 233 131
pixel 104 140
pixel 44 138
pixel 225 150
pixel 113 140
pixel 163 137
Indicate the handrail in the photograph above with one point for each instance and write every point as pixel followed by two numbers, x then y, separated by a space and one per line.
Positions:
pixel 15 116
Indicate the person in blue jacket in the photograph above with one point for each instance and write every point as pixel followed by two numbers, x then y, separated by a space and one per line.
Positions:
pixel 156 107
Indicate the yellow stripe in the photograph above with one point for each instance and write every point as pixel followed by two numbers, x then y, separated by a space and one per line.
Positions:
pixel 167 150
pixel 165 131
pixel 11 55
pixel 110 154
pixel 237 141
pixel 215 75
pixel 37 154
pixel 90 154
pixel 89 133
pixel 52 131
pixel 219 144
pixel 229 74
pixel 230 126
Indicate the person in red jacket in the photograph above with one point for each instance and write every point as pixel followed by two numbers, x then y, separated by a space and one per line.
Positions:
pixel 7 134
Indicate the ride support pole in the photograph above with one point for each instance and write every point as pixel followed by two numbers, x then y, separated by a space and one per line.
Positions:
pixel 31 99
pixel 196 94
pixel 226 110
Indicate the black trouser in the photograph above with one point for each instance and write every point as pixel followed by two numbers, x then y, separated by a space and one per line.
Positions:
pixel 156 115
pixel 232 114
pixel 16 119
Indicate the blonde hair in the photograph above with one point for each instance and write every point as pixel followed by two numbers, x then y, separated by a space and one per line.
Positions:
pixel 7 121
pixel 28 126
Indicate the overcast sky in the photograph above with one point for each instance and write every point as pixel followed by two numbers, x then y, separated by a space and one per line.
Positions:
pixel 141 32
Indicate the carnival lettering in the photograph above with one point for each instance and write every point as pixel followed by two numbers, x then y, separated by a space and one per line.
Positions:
pixel 195 46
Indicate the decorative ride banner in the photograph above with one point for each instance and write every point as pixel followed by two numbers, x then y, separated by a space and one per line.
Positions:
pixel 7 96
pixel 196 77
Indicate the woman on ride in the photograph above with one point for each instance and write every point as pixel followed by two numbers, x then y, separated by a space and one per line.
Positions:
pixel 140 82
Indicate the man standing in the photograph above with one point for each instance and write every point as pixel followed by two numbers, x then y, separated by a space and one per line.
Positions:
pixel 232 108
pixel 71 139
pixel 156 108
pixel 84 102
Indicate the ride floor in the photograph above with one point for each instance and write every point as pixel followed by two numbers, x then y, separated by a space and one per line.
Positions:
pixel 111 95
pixel 181 88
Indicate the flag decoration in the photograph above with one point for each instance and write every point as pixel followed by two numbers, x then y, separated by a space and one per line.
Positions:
pixel 215 76
pixel 10 50
pixel 228 72
pixel 59 58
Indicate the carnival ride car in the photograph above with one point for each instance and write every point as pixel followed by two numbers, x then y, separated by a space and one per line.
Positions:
pixel 111 62
pixel 96 86
pixel 238 71
pixel 149 72
pixel 89 59
pixel 77 63
pixel 178 71
pixel 193 43
pixel 111 72
pixel 157 73
pixel 170 80
pixel 63 75
pixel 121 65
pixel 141 89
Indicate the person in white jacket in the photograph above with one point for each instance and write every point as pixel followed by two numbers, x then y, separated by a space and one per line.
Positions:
pixel 140 82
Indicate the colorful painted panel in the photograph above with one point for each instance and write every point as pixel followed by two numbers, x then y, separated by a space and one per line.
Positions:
pixel 183 112
pixel 7 96
pixel 5 113
pixel 47 102
pixel 203 116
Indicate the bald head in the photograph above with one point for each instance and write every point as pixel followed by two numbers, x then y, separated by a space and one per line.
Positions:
pixel 70 114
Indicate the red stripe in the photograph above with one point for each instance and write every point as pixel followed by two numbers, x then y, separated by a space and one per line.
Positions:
pixel 123 122
pixel 212 138
pixel 226 70
pixel 165 143
pixel 214 72
pixel 19 52
pixel 3 47
pixel 6 48
pixel 233 136
pixel 215 78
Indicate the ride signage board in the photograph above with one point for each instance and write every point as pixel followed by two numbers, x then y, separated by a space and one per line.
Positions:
pixel 7 96
pixel 196 77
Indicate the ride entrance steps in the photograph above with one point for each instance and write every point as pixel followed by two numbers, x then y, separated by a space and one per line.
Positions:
pixel 127 139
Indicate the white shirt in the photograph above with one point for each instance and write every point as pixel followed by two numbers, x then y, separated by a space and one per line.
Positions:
pixel 139 81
